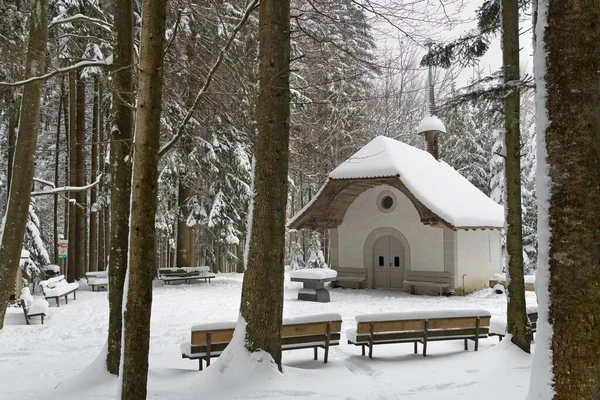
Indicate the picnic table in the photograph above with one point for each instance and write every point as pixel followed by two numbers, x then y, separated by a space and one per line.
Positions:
pixel 313 281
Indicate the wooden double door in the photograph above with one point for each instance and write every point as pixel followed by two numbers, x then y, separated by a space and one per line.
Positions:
pixel 388 263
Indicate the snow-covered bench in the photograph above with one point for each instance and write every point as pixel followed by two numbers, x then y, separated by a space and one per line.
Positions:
pixel 358 276
pixel 55 288
pixel 186 274
pixel 419 327
pixel 498 326
pixel 97 279
pixel 323 330
pixel 432 279
pixel 32 307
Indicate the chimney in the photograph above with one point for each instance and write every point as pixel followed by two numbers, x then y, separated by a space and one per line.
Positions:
pixel 431 126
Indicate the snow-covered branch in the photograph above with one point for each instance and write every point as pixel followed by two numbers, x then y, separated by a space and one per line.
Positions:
pixel 79 65
pixel 169 145
pixel 43 182
pixel 68 188
pixel 81 18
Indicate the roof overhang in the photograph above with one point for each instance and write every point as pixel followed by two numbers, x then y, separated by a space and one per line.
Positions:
pixel 329 206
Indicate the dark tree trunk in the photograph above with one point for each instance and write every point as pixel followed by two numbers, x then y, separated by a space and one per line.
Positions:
pixel 262 290
pixel 185 248
pixel 13 122
pixel 120 168
pixel 56 169
pixel 572 141
pixel 72 231
pixel 93 244
pixel 17 209
pixel 516 309
pixel 81 196
pixel 66 219
pixel 101 212
pixel 142 251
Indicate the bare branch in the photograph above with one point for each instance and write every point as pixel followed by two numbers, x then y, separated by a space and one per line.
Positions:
pixel 81 64
pixel 83 18
pixel 169 145
pixel 68 188
pixel 43 182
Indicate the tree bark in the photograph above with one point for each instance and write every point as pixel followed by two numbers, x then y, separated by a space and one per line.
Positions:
pixel 516 309
pixel 120 167
pixel 102 232
pixel 17 209
pixel 141 269
pixel 56 170
pixel 185 248
pixel 572 141
pixel 81 196
pixel 262 289
pixel 93 244
pixel 72 231
pixel 13 122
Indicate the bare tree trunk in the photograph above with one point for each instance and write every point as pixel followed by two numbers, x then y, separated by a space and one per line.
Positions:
pixel 72 238
pixel 141 268
pixel 572 142
pixel 66 219
pixel 93 244
pixel 81 196
pixel 13 123
pixel 262 290
pixel 56 169
pixel 120 165
pixel 184 233
pixel 17 209
pixel 101 212
pixel 516 309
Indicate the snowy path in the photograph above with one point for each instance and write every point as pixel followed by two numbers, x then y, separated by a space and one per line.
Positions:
pixel 42 361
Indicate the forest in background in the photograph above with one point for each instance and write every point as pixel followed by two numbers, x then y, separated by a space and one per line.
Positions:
pixel 347 86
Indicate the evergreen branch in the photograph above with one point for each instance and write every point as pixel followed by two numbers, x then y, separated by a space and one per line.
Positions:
pixel 209 77
pixel 79 65
pixel 80 17
pixel 68 188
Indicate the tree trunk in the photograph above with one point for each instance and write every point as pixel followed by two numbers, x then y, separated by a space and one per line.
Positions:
pixel 66 219
pixel 81 196
pixel 262 290
pixel 72 247
pixel 120 167
pixel 17 209
pixel 185 246
pixel 56 170
pixel 13 123
pixel 141 269
pixel 101 211
pixel 516 309
pixel 93 244
pixel 572 143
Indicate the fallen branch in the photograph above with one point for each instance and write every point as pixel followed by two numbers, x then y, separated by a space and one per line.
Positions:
pixel 68 188
pixel 81 64
pixel 169 145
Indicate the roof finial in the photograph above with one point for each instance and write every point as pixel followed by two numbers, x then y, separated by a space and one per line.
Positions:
pixel 431 109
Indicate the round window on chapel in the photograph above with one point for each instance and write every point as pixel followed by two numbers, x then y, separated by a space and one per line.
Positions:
pixel 387 202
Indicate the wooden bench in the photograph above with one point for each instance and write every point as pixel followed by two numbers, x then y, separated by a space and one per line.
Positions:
pixel 499 329
pixel 58 287
pixel 358 276
pixel 317 331
pixel 185 274
pixel 432 279
pixel 419 327
pixel 97 280
pixel 37 310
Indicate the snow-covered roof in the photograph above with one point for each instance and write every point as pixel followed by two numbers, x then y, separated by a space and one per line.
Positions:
pixel 436 185
pixel 431 123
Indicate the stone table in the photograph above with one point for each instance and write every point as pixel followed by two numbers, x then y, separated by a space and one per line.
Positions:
pixel 314 289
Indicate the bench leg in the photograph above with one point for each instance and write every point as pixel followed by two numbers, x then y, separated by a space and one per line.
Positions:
pixel 363 349
pixel 415 347
pixel 66 299
pixel 425 348
pixel 316 354
pixel 466 345
pixel 200 369
pixel 42 319
pixel 57 303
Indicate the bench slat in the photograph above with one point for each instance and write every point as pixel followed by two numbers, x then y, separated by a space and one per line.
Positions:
pixel 413 325
pixel 309 328
pixel 418 335
pixel 218 336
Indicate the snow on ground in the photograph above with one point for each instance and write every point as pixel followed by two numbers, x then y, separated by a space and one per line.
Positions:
pixel 61 358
